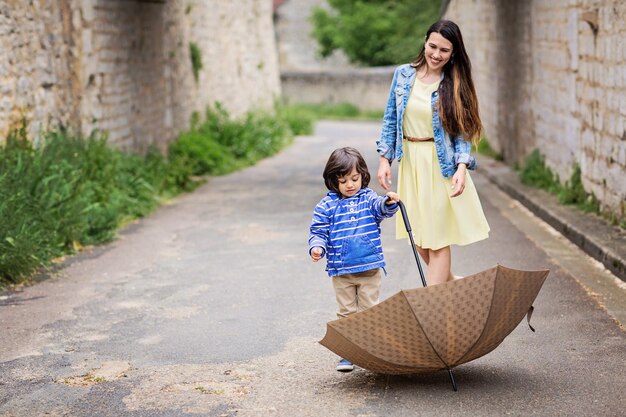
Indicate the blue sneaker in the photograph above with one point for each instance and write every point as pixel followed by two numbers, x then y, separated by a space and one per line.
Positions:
pixel 344 366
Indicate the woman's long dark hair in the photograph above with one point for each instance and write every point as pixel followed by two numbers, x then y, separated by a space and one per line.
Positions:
pixel 458 104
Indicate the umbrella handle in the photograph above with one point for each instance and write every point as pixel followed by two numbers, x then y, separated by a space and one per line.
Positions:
pixel 407 225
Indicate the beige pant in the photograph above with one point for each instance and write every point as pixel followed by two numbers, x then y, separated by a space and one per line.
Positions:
pixel 356 292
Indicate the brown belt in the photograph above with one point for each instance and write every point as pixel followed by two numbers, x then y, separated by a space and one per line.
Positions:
pixel 410 139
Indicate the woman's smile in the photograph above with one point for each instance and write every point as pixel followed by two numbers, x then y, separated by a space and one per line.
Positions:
pixel 438 51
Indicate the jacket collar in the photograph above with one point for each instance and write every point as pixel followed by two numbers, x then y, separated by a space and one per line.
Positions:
pixel 409 71
pixel 336 196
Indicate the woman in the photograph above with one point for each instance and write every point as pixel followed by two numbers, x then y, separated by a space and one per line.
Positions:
pixel 430 122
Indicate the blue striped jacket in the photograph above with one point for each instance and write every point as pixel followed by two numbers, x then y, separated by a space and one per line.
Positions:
pixel 348 231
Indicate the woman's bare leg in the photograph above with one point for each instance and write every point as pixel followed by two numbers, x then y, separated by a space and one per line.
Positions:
pixel 424 254
pixel 439 266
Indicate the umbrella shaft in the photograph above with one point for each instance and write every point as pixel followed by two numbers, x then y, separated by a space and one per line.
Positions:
pixel 407 225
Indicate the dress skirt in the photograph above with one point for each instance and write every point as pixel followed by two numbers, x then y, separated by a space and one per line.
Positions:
pixel 437 220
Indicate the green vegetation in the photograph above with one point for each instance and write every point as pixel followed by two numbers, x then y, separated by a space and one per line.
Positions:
pixel 221 145
pixel 299 118
pixel 574 193
pixel 339 111
pixel 484 148
pixel 71 191
pixel 536 174
pixel 196 59
pixel 374 32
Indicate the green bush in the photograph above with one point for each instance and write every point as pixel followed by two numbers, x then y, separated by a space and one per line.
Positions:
pixel 203 153
pixel 339 111
pixel 374 32
pixel 72 191
pixel 484 148
pixel 574 193
pixel 221 144
pixel 299 118
pixel 536 174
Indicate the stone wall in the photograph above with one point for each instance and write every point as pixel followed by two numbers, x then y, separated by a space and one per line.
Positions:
pixel 307 78
pixel 297 50
pixel 366 88
pixel 36 64
pixel 124 66
pixel 550 75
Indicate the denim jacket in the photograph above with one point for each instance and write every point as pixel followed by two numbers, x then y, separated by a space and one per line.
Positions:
pixel 348 231
pixel 451 150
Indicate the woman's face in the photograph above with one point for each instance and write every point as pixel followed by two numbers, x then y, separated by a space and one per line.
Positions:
pixel 438 51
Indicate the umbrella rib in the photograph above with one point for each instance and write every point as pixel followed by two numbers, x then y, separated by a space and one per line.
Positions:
pixel 423 331
pixel 482 332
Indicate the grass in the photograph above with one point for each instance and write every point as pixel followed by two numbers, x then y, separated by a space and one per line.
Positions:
pixel 195 53
pixel 71 191
pixel 339 111
pixel 484 148
pixel 535 173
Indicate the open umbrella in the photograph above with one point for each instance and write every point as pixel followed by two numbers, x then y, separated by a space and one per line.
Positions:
pixel 435 328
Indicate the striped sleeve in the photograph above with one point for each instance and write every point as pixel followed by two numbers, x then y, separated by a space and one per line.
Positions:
pixel 320 227
pixel 380 210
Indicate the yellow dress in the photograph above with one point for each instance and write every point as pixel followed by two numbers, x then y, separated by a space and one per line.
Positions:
pixel 437 220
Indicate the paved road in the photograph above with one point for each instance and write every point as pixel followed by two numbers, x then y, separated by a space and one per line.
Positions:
pixel 211 307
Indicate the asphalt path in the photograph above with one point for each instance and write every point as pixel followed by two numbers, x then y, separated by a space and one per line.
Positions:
pixel 211 307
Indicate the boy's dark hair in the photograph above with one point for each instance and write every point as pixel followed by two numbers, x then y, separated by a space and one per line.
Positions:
pixel 340 163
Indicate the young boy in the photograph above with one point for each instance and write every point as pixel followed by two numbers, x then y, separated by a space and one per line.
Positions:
pixel 346 229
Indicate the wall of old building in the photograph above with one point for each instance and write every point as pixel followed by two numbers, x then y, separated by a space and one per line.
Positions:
pixel 124 66
pixel 36 64
pixel 551 75
pixel 297 49
pixel 308 78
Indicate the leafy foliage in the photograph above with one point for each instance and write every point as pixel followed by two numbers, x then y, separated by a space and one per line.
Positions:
pixel 484 148
pixel 340 111
pixel 196 59
pixel 536 174
pixel 220 145
pixel 574 193
pixel 72 191
pixel 374 32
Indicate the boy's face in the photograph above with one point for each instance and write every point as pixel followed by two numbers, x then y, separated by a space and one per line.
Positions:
pixel 350 184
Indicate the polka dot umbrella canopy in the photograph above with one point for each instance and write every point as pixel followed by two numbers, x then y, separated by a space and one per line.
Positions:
pixel 439 327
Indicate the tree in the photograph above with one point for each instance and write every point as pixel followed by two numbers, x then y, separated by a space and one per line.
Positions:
pixel 374 32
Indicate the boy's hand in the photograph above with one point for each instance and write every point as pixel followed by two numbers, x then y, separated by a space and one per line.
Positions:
pixel 316 254
pixel 393 197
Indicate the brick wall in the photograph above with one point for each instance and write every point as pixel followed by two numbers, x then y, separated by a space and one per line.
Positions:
pixel 241 71
pixel 551 74
pixel 124 66
pixel 36 65
pixel 366 88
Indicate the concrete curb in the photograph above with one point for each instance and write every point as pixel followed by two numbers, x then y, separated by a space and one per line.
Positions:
pixel 594 235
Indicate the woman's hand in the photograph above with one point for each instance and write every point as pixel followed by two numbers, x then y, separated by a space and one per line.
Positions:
pixel 384 172
pixel 458 180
